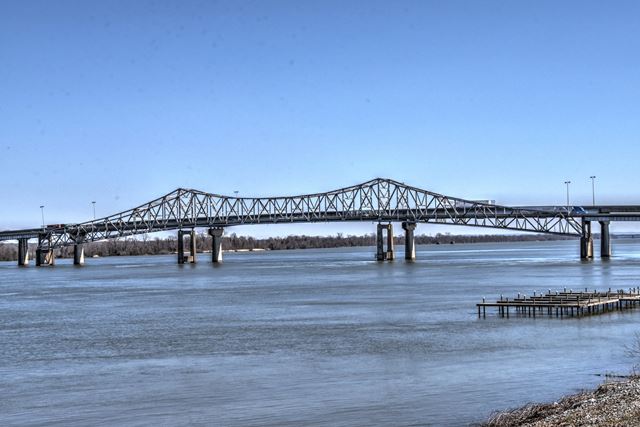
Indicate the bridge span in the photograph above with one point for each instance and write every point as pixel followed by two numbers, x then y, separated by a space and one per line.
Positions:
pixel 379 200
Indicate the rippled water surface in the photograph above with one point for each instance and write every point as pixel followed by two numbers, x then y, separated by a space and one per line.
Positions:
pixel 313 337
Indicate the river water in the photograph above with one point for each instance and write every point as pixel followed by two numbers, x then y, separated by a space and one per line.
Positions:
pixel 311 337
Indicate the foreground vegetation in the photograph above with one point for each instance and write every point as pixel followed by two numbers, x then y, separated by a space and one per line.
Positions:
pixel 614 403
pixel 145 246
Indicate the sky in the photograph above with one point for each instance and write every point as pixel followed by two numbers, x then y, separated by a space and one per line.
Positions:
pixel 120 102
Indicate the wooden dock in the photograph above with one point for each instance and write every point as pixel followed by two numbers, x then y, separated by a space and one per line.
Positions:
pixel 565 303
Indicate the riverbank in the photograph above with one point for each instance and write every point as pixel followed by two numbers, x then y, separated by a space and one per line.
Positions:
pixel 234 243
pixel 614 403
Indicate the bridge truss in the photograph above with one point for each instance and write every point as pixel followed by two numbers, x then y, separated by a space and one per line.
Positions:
pixel 378 200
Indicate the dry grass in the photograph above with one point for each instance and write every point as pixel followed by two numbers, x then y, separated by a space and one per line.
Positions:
pixel 532 412
pixel 611 404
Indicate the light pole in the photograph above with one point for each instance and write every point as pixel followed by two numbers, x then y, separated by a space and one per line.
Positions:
pixel 593 189
pixel 567 184
pixel 42 212
pixel 94 210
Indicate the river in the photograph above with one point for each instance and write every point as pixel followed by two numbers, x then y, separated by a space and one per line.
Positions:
pixel 307 337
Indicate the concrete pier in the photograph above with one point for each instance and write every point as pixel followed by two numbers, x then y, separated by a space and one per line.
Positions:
pixel 23 252
pixel 44 256
pixel 409 241
pixel 381 254
pixel 78 253
pixel 49 258
pixel 216 244
pixel 180 247
pixel 192 247
pixel 191 258
pixel 78 248
pixel 586 241
pixel 605 240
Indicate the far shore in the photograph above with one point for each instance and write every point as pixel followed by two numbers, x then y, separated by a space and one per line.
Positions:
pixel 243 244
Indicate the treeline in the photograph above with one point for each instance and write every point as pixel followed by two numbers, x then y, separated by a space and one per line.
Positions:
pixel 158 246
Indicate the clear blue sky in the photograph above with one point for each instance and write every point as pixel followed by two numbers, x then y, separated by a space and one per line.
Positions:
pixel 120 101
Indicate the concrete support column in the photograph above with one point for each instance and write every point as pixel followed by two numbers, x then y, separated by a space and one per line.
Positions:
pixel 44 256
pixel 191 258
pixel 390 254
pixel 38 257
pixel 381 254
pixel 409 241
pixel 192 247
pixel 605 240
pixel 49 258
pixel 78 253
pixel 23 252
pixel 180 247
pixel 39 254
pixel 216 244
pixel 586 241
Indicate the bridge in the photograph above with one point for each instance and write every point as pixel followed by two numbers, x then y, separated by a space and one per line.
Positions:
pixel 379 200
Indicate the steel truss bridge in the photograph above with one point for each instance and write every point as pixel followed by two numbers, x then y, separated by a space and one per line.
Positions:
pixel 378 200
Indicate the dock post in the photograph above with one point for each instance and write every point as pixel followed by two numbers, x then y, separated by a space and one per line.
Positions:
pixel 216 244
pixel 23 252
pixel 605 240
pixel 409 240
pixel 180 247
pixel 586 241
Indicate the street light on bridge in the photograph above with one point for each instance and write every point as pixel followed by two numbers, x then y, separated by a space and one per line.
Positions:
pixel 94 210
pixel 567 184
pixel 42 212
pixel 593 189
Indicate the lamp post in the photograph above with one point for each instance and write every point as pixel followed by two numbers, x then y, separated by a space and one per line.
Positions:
pixel 593 189
pixel 567 184
pixel 42 213
pixel 94 210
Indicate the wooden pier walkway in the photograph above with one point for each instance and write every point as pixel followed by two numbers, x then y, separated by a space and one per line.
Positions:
pixel 565 303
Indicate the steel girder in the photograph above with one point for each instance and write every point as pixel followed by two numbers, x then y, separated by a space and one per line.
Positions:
pixel 375 200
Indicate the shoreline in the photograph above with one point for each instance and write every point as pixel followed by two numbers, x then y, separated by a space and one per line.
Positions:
pixel 615 402
pixel 110 248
